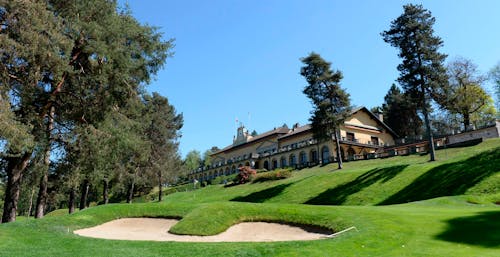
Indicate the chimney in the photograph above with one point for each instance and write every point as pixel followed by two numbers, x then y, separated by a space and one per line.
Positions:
pixel 381 117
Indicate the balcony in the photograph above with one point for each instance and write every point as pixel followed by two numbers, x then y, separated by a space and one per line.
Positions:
pixel 355 141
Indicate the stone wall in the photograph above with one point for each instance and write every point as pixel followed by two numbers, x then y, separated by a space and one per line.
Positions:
pixel 490 132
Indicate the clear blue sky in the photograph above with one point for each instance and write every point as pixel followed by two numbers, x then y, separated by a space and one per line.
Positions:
pixel 235 58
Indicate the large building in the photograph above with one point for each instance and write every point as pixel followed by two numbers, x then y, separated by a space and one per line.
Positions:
pixel 363 135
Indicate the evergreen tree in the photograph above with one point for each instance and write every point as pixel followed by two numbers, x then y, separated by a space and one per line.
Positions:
pixel 422 73
pixel 400 114
pixel 68 63
pixel 331 104
pixel 162 132
pixel 33 58
pixel 465 95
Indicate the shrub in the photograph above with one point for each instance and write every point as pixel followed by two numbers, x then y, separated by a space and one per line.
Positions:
pixel 272 175
pixel 245 175
pixel 222 179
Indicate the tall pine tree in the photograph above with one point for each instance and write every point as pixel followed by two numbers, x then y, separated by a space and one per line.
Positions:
pixel 68 63
pixel 422 74
pixel 331 102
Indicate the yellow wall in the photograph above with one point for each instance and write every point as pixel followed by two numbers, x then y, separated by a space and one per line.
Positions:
pixel 363 135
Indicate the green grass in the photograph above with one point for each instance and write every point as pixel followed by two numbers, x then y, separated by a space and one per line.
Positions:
pixel 402 206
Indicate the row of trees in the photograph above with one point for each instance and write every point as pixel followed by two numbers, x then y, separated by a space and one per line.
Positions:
pixel 74 116
pixel 194 159
pixel 455 89
pixel 466 104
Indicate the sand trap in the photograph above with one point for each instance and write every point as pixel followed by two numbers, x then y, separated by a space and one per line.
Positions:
pixel 157 230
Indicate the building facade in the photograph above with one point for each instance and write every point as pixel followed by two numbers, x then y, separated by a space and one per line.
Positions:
pixel 363 135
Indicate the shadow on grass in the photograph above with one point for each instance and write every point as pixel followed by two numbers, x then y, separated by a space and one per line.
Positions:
pixel 482 230
pixel 262 196
pixel 339 194
pixel 449 179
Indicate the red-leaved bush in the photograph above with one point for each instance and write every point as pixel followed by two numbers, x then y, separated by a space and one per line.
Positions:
pixel 245 175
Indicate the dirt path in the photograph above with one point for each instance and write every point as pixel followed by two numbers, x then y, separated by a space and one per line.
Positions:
pixel 157 230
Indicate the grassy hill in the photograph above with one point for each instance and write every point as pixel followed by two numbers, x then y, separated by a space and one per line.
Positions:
pixel 401 206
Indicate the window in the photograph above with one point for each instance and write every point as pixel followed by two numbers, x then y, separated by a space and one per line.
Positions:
pixel 325 154
pixel 283 162
pixel 266 165
pixel 374 140
pixel 293 160
pixel 314 156
pixel 303 158
pixel 350 136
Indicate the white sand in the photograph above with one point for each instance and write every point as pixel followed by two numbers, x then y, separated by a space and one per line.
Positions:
pixel 157 230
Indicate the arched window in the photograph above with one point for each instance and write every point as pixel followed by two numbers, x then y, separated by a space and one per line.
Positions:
pixel 283 162
pixel 227 171
pixel 293 160
pixel 303 158
pixel 314 156
pixel 233 169
pixel 275 164
pixel 325 154
pixel 266 165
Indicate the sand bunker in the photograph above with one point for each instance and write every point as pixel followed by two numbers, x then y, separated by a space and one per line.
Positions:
pixel 157 230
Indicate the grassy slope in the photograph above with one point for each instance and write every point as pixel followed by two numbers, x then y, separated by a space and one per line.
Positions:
pixel 471 170
pixel 440 226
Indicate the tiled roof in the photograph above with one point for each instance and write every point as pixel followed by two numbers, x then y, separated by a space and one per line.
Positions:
pixel 279 130
pixel 296 131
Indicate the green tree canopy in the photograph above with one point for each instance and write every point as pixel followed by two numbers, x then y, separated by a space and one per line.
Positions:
pixel 421 73
pixel 193 160
pixel 331 104
pixel 65 64
pixel 400 114
pixel 465 95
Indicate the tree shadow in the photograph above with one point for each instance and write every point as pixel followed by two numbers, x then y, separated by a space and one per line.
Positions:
pixel 263 195
pixel 482 229
pixel 338 195
pixel 449 179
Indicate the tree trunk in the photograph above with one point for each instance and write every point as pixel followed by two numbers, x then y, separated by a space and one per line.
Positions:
pixel 44 180
pixel 42 196
pixel 337 144
pixel 71 203
pixel 85 192
pixel 31 201
pixel 467 126
pixel 105 195
pixel 131 191
pixel 160 192
pixel 429 133
pixel 14 170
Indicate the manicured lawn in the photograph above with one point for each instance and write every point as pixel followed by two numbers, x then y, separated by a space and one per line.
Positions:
pixel 451 211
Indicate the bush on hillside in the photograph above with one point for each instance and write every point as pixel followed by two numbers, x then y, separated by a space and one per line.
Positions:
pixel 272 175
pixel 245 175
pixel 223 179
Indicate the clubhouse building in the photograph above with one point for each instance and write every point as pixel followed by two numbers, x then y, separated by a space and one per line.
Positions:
pixel 363 136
